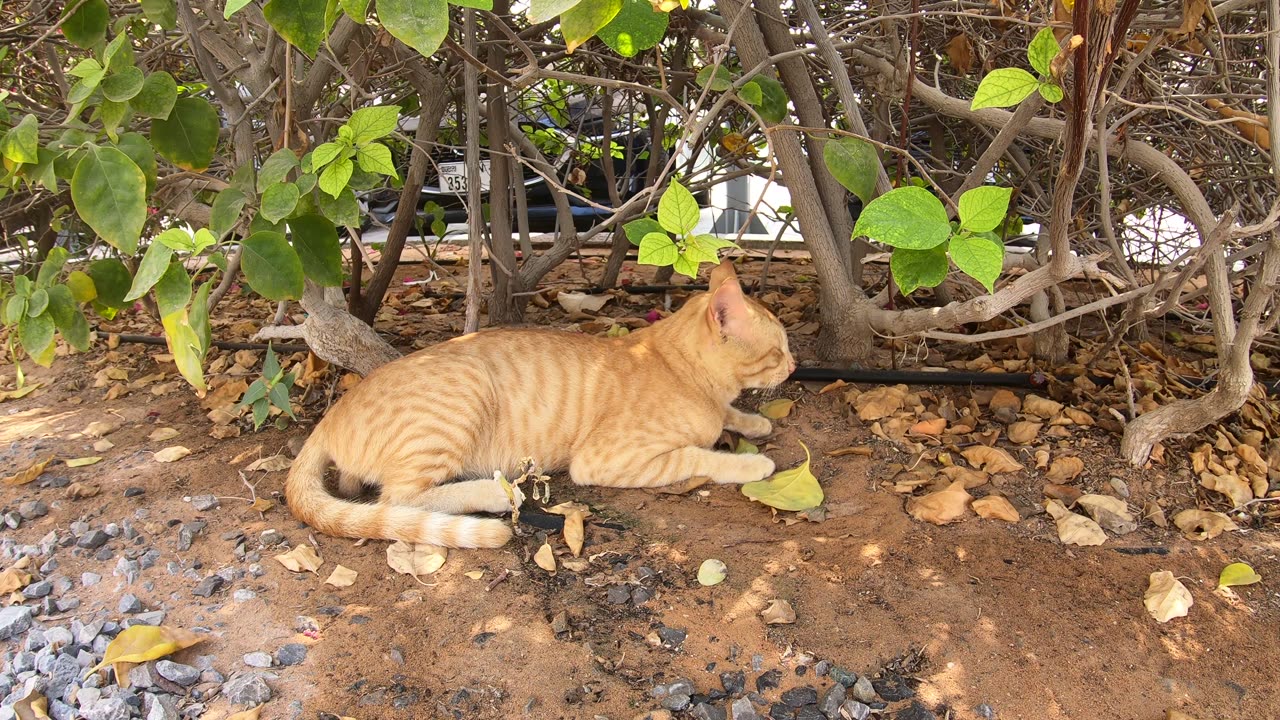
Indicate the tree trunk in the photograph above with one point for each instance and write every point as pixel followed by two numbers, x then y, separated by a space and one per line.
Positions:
pixel 504 307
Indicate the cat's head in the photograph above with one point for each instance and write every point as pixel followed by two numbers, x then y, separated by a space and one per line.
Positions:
pixel 749 343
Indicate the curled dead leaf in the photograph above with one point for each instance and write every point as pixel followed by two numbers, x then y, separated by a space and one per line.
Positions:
pixel 27 474
pixel 970 477
pixel 33 706
pixel 1109 512
pixel 81 490
pixel 993 460
pixel 995 507
pixel 341 576
pixel 1074 529
pixel 261 505
pixel 779 612
pixel 273 463
pixel 250 714
pixel 1024 432
pixel 1041 407
pixel 1229 484
pixel 942 507
pixel 960 53
pixel 777 409
pixel 13 579
pixel 1064 469
pixel 545 558
pixel 82 462
pixel 100 428
pixel 880 402
pixel 172 454
pixel 575 302
pixel 162 434
pixel 1202 524
pixel 1166 597
pixel 573 532
pixel 1005 399
pixel 415 560
pixel 302 558
pixel 931 428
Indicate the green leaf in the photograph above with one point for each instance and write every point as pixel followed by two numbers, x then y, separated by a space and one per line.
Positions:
pixel 87 26
pixel 685 265
pixel 1050 92
pixel 1238 574
pixel 717 76
pixel 108 190
pixel 657 249
pixel 36 335
pixel 335 176
pixel 15 308
pixel 371 123
pixel 637 229
pixel 260 410
pixel 161 12
pixel 22 142
pixel 773 105
pixel 279 201
pixel 198 317
pixel 203 239
pixel 543 10
pixel 156 98
pixel 636 28
pixel 982 209
pixel 1042 50
pixel 357 10
pixel 272 267
pixel 711 572
pixel 111 281
pixel 343 210
pixel 324 154
pixel 226 211
pixel 678 210
pixel 176 239
pixel 745 448
pixel 981 258
pixel 51 267
pixel 68 318
pixel 855 163
pixel 184 345
pixel 1004 87
pixel 299 22
pixel 279 396
pixel 706 248
pixel 376 158
pixel 82 286
pixel 477 4
pixel 188 137
pixel 905 217
pixel 135 145
pixel 795 489
pixel 88 67
pixel 173 292
pixel 233 7
pixel 270 364
pixel 111 113
pixel 155 262
pixel 38 302
pixel 581 22
pixel 316 241
pixel 751 93
pixel 276 168
pixel 420 24
pixel 918 268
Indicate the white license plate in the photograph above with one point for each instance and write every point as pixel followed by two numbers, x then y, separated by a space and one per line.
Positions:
pixel 453 176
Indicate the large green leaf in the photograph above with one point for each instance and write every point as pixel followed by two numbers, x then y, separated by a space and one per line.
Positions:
pixel 376 158
pixel 773 103
pixel 38 302
pixel 636 28
pixel 371 123
pixel 155 262
pixel 1042 50
pixel 918 268
pixel 299 22
pixel 637 229
pixel 981 257
pixel 358 10
pixel 188 137
pixel 135 145
pixel 124 85
pixel 233 7
pixel 173 292
pixel 68 318
pixel 543 10
pixel 111 281
pixel 87 26
pixel 343 210
pixel 272 267
pixel 855 163
pixel 678 210
pixel 276 168
pixel 906 217
pixel 22 142
pixel 226 211
pixel 686 265
pixel 279 201
pixel 336 175
pixel 184 345
pixel 36 335
pixel 581 22
pixel 795 489
pixel 161 12
pixel 158 94
pixel 109 192
pixel 420 24
pixel 982 209
pixel 717 77
pixel 657 249
pixel 316 241
pixel 1004 87
pixel 477 4
pixel 82 286
pixel 51 267
pixel 199 317
pixel 1050 92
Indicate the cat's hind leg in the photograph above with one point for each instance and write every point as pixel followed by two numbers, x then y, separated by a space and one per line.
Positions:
pixel 455 498
pixel 655 468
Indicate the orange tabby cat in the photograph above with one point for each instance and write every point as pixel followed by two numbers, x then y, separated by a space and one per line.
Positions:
pixel 632 411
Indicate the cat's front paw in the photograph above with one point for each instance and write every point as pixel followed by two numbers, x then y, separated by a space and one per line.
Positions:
pixel 748 468
pixel 754 426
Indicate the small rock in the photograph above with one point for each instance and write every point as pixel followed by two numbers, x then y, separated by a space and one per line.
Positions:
pixel 707 711
pixel 160 707
pixel 985 711
pixel 14 621
pixel 842 676
pixel 863 690
pixel 258 660
pixel 271 538
pixel 184 675
pixel 676 702
pixel 734 683
pixel 742 709
pixel 32 509
pixel 768 680
pixel 204 503
pixel 291 654
pixel 208 586
pixel 1121 488
pixel 130 604
pixel 832 699
pixel 822 668
pixel 617 595
pixel 917 711
pixel 809 712
pixel 37 589
pixel 133 491
pixel 641 595
pixel 65 671
pixel 90 579
pixel 781 711
pixel 560 623
pixel 93 540
pixel 243 595
pixel 892 687
pixel 155 617
pixel 12 520
pixel 671 637
pixel 854 710
pixel 248 690
pixel 111 529
pixel 796 697
pixel 112 708
pixel 140 676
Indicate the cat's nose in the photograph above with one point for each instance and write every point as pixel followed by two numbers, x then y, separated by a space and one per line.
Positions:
pixel 791 367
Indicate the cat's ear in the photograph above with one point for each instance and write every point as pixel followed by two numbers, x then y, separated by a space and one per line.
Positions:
pixel 721 274
pixel 727 311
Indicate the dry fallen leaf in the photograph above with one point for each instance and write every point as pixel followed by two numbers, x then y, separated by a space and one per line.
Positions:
pixel 1109 512
pixel 82 490
pixel 932 427
pixel 225 395
pixel 140 643
pixel 995 507
pixel 1065 469
pixel 1041 407
pixel 103 446
pixel 172 454
pixel 35 706
pixel 416 560
pixel 162 434
pixel 262 505
pixel 13 580
pixel 1166 597
pixel 942 507
pixel 250 714
pixel 545 558
pixel 1229 484
pixel 1237 574
pixel 681 488
pixel 474 574
pixel 82 462
pixel 970 477
pixel 573 532
pixel 712 572
pixel 302 558
pixel 26 475
pixel 1074 529
pixel 574 302
pixel 341 576
pixel 100 428
pixel 1202 524
pixel 880 402
pixel 273 463
pixel 779 612
pixel 777 409
pixel 993 460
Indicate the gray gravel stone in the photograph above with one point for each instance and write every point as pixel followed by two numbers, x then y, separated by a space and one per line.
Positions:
pixel 248 690
pixel 842 676
pixel 863 690
pixel 832 699
pixel 672 637
pixel 14 620
pixel 177 672
pixel 108 709
pixel 58 637
pixel 271 538
pixel 65 671
pixel 742 709
pixel 12 520
pixel 707 711
pixel 37 589
pixel 208 586
pixel 130 604
pixel 155 617
pixel 243 595
pixel 204 503
pixel 854 710
pixel 291 654
pixel 159 707
pixel 32 509
pixel 93 540
pixel 141 677
pixel 90 579
pixel 258 660
pixel 617 595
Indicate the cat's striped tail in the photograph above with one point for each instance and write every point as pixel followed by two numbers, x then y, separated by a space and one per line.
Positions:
pixel 310 502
